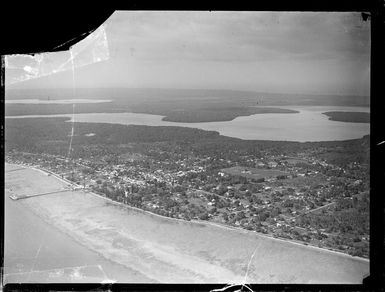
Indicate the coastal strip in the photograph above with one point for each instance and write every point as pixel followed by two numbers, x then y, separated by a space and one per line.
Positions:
pixel 193 221
pixel 179 251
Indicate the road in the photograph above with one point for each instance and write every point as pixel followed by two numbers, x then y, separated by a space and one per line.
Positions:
pixel 316 209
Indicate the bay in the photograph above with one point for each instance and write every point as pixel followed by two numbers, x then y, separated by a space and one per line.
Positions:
pixel 308 125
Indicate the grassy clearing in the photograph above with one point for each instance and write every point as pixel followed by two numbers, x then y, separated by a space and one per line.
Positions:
pixel 253 173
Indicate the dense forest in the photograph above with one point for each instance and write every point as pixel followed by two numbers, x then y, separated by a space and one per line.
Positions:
pixel 215 114
pixel 54 109
pixel 190 106
pixel 174 163
pixel 174 111
pixel 351 117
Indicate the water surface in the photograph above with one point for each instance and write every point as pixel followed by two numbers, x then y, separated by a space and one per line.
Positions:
pixel 307 125
pixel 37 252
pixel 68 237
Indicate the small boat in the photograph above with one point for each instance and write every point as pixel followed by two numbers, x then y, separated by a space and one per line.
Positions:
pixel 13 197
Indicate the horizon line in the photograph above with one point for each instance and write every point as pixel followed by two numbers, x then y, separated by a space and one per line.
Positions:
pixel 187 89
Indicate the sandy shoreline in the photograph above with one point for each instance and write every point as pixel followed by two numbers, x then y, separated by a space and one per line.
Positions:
pixel 36 251
pixel 218 225
pixel 175 251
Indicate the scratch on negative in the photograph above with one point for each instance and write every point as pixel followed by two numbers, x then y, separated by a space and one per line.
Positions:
pixel 37 254
pixel 243 284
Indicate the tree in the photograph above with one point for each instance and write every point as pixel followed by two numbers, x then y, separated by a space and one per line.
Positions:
pixel 288 203
pixel 204 216
pixel 221 190
pixel 160 191
pixel 263 216
pixel 240 215
pixel 243 187
pixel 276 211
pixel 256 200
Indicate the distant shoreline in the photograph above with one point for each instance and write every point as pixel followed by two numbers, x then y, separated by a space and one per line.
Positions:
pixel 221 114
pixel 349 117
pixel 176 116
pixel 40 101
pixel 269 126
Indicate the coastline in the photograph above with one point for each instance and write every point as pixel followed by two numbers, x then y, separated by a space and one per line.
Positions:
pixel 207 223
pixel 309 125
pixel 203 251
pixel 37 251
pixel 348 117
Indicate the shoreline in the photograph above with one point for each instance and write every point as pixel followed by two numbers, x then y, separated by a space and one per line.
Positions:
pixel 179 251
pixel 57 254
pixel 309 125
pixel 199 222
pixel 348 116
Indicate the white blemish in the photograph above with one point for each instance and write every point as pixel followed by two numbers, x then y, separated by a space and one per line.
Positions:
pixel 92 49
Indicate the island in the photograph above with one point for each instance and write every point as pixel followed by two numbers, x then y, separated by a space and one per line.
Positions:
pixel 350 117
pixel 223 114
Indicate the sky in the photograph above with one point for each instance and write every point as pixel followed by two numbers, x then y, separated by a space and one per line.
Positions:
pixel 278 52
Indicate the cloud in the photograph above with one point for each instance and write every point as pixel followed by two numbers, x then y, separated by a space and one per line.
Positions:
pixel 268 51
pixel 238 36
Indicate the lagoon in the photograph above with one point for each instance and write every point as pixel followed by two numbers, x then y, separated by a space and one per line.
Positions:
pixel 308 125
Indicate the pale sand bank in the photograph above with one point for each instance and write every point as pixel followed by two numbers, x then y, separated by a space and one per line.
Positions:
pixel 38 252
pixel 176 251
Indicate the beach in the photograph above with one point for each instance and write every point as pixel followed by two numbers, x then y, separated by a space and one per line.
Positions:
pixel 150 248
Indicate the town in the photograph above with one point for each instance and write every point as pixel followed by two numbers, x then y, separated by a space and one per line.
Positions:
pixel 299 197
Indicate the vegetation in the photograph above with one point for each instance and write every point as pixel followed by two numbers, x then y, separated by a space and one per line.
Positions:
pixel 254 173
pixel 188 106
pixel 215 114
pixel 51 135
pixel 350 117
pixel 54 109
pixel 344 224
pixel 313 192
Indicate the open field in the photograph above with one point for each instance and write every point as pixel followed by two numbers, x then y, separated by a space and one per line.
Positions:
pixel 175 251
pixel 295 161
pixel 253 173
